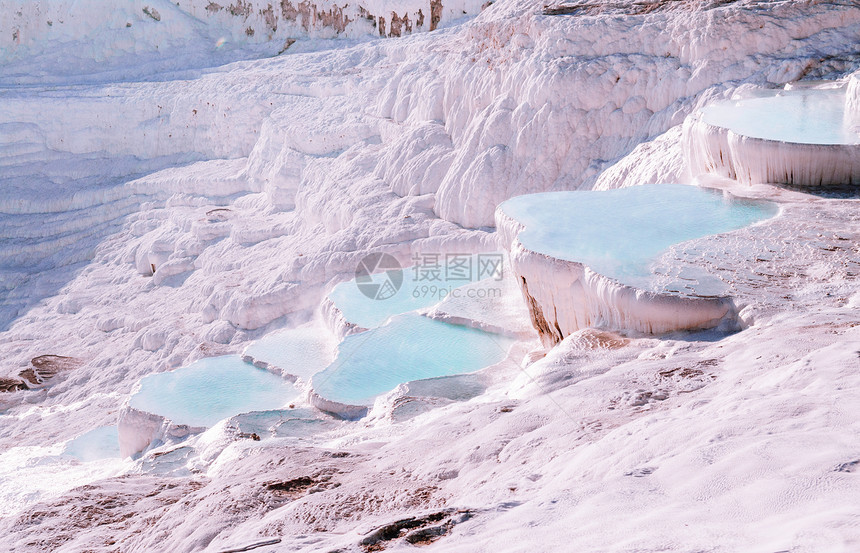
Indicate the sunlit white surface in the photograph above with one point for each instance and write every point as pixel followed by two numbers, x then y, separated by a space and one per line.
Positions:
pixel 33 473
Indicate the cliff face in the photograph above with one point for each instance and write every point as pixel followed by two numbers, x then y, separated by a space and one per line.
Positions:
pixel 325 18
pixel 29 25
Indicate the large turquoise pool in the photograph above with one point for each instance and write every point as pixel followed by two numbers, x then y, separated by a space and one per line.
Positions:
pixel 619 233
pixel 802 116
pixel 409 347
pixel 210 390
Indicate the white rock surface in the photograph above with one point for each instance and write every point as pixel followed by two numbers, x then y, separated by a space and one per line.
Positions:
pixel 139 430
pixel 657 161
pixel 490 305
pixel 852 101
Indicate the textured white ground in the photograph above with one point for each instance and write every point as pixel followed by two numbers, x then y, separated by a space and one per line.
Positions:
pixel 254 186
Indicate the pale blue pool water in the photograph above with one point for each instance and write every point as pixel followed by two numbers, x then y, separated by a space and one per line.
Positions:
pixel 801 116
pixel 300 352
pixel 620 233
pixel 285 423
pixel 424 285
pixel 410 347
pixel 99 443
pixel 210 390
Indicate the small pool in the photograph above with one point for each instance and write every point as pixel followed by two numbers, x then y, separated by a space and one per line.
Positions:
pixel 409 347
pixel 299 352
pixel 284 423
pixel 620 233
pixel 210 390
pixel 99 443
pixel 423 285
pixel 811 116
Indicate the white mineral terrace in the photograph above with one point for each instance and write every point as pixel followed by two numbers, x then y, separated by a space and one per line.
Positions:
pixel 805 137
pixel 172 405
pixel 340 375
pixel 407 348
pixel 587 259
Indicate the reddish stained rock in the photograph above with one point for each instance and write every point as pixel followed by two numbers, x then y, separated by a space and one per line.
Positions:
pixel 311 17
pixel 45 367
pixel 240 9
pixel 435 13
pixel 550 334
pixel 11 385
pixel 399 25
pixel 270 18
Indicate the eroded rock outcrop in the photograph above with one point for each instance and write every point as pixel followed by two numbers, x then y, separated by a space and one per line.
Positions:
pixel 324 18
pixel 42 369
pixel 45 367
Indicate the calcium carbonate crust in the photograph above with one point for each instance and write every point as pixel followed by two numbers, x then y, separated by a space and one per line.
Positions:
pixel 566 296
pixel 749 160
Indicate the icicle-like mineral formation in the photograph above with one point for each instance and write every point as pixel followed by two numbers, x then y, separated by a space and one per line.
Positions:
pixel 571 238
pixel 808 137
pixel 565 296
pixel 852 103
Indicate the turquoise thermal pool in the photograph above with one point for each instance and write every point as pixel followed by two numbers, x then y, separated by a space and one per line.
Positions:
pixel 620 233
pixel 812 116
pixel 284 423
pixel 98 443
pixel 409 347
pixel 210 390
